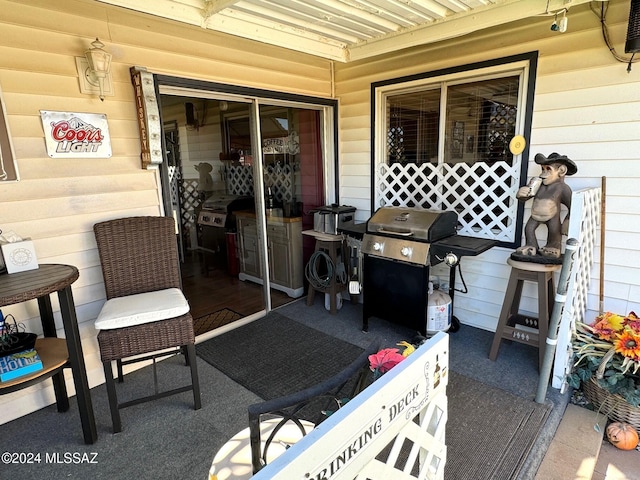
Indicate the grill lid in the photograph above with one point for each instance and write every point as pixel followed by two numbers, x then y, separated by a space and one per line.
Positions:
pixel 412 223
pixel 223 202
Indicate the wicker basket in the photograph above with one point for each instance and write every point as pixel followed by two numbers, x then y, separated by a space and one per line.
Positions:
pixel 612 405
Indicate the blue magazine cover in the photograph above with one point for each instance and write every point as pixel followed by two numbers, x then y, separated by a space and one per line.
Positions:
pixel 19 364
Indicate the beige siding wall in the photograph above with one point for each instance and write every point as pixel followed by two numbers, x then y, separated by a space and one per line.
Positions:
pixel 586 106
pixel 57 201
pixel 203 144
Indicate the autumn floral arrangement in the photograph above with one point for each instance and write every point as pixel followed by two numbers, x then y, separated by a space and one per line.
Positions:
pixel 387 358
pixel 608 352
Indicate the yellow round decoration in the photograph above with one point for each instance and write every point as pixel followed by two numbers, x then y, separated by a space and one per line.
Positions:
pixel 517 144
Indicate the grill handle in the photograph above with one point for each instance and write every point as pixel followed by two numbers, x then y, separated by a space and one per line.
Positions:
pixel 389 232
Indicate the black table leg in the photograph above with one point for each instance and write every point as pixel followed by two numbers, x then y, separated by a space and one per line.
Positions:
pixel 76 359
pixel 49 330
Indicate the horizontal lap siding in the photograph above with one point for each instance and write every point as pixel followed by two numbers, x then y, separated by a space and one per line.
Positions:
pixel 586 106
pixel 57 201
pixel 595 120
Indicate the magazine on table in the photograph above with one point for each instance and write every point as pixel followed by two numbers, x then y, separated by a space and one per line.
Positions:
pixel 19 364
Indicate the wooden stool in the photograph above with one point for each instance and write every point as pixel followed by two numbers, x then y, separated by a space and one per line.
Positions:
pixel 332 248
pixel 522 328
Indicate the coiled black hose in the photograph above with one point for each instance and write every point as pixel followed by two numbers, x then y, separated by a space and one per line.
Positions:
pixel 311 271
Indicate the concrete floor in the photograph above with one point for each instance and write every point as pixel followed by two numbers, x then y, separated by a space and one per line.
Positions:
pixel 579 452
pixel 616 464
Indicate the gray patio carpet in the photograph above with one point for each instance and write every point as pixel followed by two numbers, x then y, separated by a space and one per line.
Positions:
pixel 167 439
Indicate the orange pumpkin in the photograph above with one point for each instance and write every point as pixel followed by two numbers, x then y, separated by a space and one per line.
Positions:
pixel 622 435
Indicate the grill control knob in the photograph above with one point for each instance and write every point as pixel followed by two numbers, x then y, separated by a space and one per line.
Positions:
pixel 451 259
pixel 405 251
pixel 377 246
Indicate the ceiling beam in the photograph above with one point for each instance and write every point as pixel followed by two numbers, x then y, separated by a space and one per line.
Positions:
pixel 360 13
pixel 283 22
pixel 235 23
pixel 434 8
pixel 219 5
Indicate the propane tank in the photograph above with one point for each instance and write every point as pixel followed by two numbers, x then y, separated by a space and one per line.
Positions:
pixel 439 311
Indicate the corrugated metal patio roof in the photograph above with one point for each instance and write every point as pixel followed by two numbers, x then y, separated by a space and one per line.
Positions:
pixel 346 30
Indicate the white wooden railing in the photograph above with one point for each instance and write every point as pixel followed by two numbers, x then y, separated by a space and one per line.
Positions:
pixel 584 227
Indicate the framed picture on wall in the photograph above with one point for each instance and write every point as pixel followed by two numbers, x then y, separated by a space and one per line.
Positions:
pixel 8 166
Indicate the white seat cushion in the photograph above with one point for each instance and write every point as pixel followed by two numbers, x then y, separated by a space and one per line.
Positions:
pixel 142 308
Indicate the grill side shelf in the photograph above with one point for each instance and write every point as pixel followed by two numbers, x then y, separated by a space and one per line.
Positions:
pixel 462 246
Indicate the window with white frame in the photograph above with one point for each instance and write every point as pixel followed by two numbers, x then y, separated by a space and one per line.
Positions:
pixel 443 141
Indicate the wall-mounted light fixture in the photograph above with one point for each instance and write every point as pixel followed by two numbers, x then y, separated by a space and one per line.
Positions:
pixel 94 71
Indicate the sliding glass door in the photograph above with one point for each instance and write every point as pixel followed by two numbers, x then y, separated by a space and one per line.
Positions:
pixel 244 174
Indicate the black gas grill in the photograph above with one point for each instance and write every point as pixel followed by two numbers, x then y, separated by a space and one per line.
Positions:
pixel 399 246
pixel 216 221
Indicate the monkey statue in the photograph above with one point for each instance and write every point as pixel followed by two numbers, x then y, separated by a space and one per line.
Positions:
pixel 205 180
pixel 549 192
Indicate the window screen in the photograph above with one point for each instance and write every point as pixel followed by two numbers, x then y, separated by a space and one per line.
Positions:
pixel 444 144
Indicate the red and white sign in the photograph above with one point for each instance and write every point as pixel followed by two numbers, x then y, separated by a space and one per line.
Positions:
pixel 76 135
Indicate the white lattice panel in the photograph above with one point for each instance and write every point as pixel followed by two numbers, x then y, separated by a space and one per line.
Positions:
pixel 281 180
pixel 395 429
pixel 174 178
pixel 584 227
pixel 239 180
pixel 279 177
pixel 482 194
pixel 190 200
pixel 410 185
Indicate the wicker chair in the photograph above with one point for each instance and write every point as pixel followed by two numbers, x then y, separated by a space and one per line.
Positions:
pixel 145 311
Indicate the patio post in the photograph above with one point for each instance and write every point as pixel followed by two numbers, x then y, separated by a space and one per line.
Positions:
pixel 558 307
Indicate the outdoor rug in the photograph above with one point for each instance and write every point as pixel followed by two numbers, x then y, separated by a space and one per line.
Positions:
pixel 276 356
pixel 214 320
pixel 489 431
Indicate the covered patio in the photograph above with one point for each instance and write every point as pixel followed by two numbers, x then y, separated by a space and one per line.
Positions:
pixel 562 62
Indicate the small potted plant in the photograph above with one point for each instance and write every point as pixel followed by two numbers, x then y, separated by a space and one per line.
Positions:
pixel 607 365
